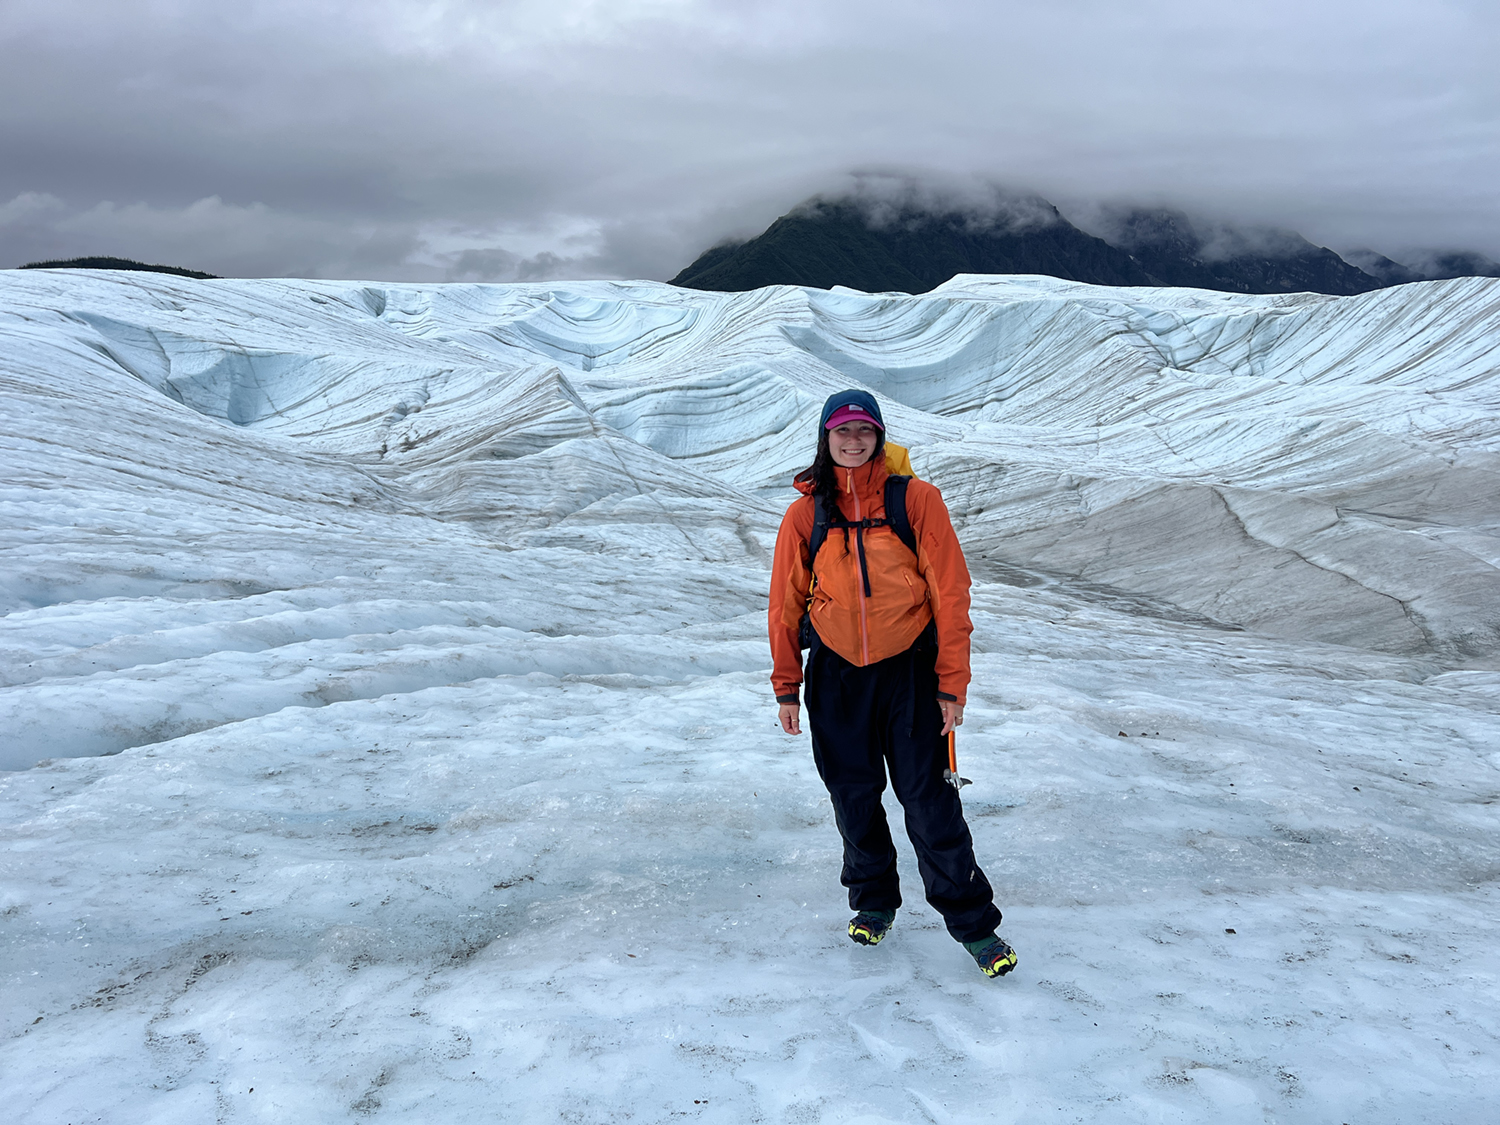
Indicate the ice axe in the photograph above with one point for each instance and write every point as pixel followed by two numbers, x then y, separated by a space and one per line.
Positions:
pixel 950 775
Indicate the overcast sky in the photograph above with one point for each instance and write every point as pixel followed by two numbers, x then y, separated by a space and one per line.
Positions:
pixel 495 139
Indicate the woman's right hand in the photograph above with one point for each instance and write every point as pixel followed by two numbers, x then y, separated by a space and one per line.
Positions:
pixel 790 715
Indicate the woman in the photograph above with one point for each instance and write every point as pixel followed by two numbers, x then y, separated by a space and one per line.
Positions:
pixel 886 625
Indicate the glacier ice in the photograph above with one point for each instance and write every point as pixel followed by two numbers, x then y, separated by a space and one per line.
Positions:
pixel 395 660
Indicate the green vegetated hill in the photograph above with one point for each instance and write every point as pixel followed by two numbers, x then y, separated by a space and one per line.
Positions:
pixel 115 264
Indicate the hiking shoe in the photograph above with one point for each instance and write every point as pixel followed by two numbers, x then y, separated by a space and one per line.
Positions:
pixel 994 957
pixel 869 926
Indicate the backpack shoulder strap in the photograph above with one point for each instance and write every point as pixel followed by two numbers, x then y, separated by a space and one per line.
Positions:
pixel 819 528
pixel 895 511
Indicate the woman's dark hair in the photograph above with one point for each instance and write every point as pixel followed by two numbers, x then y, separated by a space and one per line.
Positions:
pixel 821 471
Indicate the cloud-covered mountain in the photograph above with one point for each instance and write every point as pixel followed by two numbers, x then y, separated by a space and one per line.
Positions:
pixel 1176 249
pixel 1388 271
pixel 1430 265
pixel 912 242
pixel 910 245
pixel 1456 263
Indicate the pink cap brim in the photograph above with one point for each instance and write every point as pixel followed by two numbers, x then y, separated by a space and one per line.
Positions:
pixel 850 414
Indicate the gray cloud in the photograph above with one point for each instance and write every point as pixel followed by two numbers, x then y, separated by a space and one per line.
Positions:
pixel 489 140
pixel 889 196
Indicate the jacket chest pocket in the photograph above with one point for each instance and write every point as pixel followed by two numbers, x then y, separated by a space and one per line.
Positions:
pixel 916 587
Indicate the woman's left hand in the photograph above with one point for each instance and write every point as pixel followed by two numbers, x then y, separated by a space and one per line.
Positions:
pixel 953 714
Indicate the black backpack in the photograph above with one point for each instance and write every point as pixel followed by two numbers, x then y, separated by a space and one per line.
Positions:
pixel 827 517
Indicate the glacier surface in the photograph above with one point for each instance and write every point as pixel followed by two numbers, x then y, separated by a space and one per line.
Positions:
pixel 383 677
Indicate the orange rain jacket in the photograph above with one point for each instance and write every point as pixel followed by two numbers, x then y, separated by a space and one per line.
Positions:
pixel 906 591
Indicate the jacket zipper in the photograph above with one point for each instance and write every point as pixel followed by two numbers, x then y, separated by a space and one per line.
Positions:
pixel 864 629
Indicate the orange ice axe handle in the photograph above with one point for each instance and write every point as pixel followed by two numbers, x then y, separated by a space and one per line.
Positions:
pixel 950 775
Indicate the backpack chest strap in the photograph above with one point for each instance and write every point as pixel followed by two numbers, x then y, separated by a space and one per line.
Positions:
pixel 895 518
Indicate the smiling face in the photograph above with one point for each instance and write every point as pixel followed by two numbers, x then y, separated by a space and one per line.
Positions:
pixel 852 443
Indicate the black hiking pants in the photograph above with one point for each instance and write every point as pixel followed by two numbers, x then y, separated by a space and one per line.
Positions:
pixel 885 717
